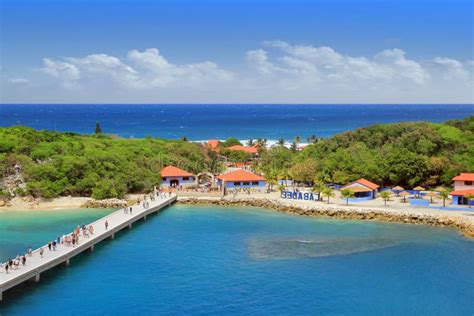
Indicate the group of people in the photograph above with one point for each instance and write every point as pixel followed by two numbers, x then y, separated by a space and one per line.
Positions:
pixel 66 240
pixel 73 239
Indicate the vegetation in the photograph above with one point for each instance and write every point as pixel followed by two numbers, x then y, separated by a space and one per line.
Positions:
pixel 104 166
pixel 385 195
pixel 347 193
pixel 406 154
pixel 100 166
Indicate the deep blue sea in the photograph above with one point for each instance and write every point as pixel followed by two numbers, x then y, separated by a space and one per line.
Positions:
pixel 213 121
pixel 199 260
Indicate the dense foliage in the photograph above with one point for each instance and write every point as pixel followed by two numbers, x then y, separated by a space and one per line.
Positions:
pixel 104 166
pixel 100 166
pixel 407 154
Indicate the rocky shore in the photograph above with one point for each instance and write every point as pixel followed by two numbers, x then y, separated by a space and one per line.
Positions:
pixel 352 213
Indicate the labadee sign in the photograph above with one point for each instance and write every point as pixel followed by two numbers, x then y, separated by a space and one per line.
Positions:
pixel 294 195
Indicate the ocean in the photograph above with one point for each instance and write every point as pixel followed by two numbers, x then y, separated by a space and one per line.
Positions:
pixel 206 260
pixel 214 121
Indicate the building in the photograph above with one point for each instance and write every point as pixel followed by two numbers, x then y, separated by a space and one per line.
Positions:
pixel 463 185
pixel 253 150
pixel 174 177
pixel 241 179
pixel 213 144
pixel 363 189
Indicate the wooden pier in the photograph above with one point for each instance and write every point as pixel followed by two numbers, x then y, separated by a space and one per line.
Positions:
pixel 118 220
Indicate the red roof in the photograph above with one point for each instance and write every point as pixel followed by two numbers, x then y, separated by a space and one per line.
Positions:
pixel 213 143
pixel 250 150
pixel 462 192
pixel 171 171
pixel 464 177
pixel 365 183
pixel 240 175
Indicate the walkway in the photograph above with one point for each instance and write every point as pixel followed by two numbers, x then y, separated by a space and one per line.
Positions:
pixel 35 265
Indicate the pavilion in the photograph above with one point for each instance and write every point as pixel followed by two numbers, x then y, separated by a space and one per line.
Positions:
pixel 174 177
pixel 363 189
pixel 241 179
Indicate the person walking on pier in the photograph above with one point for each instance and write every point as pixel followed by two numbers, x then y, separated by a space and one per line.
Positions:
pixel 41 252
pixel 49 245
pixel 106 224
pixel 23 260
pixel 131 209
pixel 30 252
pixel 7 266
pixel 54 245
pixel 91 230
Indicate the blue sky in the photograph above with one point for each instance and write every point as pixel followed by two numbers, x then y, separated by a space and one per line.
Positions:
pixel 222 32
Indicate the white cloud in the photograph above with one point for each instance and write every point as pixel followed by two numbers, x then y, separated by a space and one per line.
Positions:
pixel 18 80
pixel 277 72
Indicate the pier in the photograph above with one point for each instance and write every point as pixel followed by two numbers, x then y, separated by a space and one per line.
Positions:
pixel 118 220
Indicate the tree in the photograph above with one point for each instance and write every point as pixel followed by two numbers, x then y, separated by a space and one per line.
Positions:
pixel 281 142
pixel 328 192
pixel 385 195
pixel 318 187
pixel 98 130
pixel 444 195
pixel 232 141
pixel 313 139
pixel 347 193
pixel 470 198
pixel 250 142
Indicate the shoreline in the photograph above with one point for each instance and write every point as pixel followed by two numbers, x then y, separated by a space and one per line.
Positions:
pixel 463 224
pixel 462 221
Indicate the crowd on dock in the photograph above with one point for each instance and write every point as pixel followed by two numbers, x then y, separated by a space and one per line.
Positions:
pixel 79 234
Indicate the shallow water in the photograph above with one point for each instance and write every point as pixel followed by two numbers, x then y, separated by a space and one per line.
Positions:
pixel 229 260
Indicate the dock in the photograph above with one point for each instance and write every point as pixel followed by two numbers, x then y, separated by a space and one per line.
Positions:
pixel 117 221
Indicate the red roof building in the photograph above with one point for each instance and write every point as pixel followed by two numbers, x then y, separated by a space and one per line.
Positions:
pixel 171 171
pixel 240 175
pixel 463 186
pixel 213 144
pixel 363 188
pixel 251 150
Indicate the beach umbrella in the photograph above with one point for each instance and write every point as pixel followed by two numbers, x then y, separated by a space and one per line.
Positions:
pixel 418 189
pixel 431 194
pixel 440 189
pixel 398 189
pixel 405 194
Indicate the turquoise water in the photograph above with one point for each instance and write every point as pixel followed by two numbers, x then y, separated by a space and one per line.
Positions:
pixel 21 229
pixel 216 260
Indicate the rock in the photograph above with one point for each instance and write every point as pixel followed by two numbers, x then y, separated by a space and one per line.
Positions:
pixel 2 203
pixel 107 203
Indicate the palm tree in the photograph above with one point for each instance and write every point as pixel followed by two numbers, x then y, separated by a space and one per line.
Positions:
pixel 294 147
pixel 250 142
pixel 328 192
pixel 347 193
pixel 385 195
pixel 469 197
pixel 444 195
pixel 297 140
pixel 313 139
pixel 319 187
pixel 281 142
pixel 271 182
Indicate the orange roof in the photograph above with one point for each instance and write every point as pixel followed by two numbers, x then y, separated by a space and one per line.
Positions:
pixel 250 150
pixel 464 177
pixel 365 183
pixel 462 192
pixel 213 143
pixel 240 175
pixel 171 171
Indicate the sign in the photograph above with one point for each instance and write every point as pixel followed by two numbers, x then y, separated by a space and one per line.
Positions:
pixel 293 195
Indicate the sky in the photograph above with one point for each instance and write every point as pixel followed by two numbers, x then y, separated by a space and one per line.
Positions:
pixel 229 51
